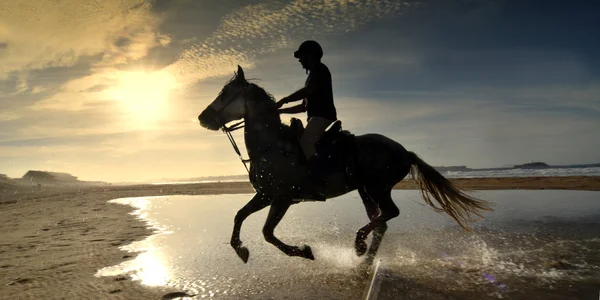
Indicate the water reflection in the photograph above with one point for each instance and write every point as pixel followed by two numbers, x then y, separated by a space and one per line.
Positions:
pixel 533 240
pixel 150 267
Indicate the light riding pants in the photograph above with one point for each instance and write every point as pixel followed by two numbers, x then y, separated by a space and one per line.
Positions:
pixel 314 130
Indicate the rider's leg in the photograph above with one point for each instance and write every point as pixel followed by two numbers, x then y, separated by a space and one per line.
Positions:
pixel 314 130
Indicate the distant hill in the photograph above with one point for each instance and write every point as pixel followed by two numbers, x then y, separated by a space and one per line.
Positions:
pixel 6 182
pixel 43 178
pixel 533 165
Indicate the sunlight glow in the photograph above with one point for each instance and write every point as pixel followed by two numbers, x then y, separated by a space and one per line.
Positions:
pixel 150 266
pixel 144 95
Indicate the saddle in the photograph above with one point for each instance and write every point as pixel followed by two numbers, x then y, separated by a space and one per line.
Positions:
pixel 336 147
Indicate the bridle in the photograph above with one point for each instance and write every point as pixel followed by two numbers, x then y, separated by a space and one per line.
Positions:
pixel 234 127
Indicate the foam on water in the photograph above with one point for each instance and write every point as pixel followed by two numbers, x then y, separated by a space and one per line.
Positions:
pixel 475 173
pixel 592 171
pixel 476 262
pixel 142 205
pixel 343 258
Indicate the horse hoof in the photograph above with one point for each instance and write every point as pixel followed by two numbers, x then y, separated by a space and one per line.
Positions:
pixel 307 252
pixel 360 246
pixel 243 253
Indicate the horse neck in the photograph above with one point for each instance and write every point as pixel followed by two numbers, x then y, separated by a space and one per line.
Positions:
pixel 261 131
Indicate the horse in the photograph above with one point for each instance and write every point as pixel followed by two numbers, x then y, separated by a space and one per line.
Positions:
pixel 370 163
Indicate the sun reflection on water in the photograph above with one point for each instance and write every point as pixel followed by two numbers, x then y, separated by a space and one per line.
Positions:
pixel 150 266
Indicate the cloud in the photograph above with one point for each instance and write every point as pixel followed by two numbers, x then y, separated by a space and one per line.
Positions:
pixel 79 93
pixel 242 35
pixel 450 97
pixel 45 33
pixel 352 111
pixel 482 128
pixel 38 89
pixel 119 156
pixel 108 119
pixel 263 28
pixel 8 116
pixel 137 91
pixel 585 97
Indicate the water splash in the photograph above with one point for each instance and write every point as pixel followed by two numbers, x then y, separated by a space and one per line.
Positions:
pixel 473 257
pixel 341 257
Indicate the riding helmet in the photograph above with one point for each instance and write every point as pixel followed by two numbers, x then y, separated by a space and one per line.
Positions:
pixel 311 48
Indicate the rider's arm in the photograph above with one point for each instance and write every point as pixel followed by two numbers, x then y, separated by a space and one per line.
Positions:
pixel 300 108
pixel 300 94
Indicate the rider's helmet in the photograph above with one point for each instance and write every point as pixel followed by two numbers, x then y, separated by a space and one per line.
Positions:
pixel 309 48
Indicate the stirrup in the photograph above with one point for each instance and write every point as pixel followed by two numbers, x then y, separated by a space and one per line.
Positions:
pixel 310 196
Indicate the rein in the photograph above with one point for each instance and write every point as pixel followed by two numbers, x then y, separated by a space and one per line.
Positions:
pixel 227 131
pixel 234 127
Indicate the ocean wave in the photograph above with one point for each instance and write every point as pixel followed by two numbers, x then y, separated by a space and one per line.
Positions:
pixel 592 171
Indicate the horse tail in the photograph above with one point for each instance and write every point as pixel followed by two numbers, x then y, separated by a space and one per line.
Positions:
pixel 451 199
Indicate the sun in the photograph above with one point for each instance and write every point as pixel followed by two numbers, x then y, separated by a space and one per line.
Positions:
pixel 143 95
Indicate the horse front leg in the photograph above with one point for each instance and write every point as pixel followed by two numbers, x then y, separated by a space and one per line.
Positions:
pixel 276 213
pixel 258 202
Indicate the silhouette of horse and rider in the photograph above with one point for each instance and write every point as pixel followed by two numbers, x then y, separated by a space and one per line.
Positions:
pixel 291 163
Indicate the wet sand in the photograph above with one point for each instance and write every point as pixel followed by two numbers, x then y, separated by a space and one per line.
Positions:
pixel 55 239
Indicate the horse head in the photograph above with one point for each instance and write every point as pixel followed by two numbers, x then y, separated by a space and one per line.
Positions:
pixel 230 104
pixel 238 99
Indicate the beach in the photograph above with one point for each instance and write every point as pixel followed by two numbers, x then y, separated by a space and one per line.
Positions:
pixel 54 240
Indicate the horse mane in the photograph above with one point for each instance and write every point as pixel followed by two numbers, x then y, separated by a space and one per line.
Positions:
pixel 259 90
pixel 261 94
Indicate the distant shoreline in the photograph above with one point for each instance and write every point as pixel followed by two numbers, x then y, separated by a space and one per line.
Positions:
pixel 590 183
pixel 57 179
pixel 441 169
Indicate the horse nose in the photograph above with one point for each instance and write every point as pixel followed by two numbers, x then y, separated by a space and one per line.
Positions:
pixel 207 119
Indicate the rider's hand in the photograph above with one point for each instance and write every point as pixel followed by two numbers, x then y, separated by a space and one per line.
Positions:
pixel 281 102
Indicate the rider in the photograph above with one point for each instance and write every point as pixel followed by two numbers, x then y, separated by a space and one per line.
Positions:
pixel 317 101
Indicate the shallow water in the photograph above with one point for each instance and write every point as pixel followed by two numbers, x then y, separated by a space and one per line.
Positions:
pixel 536 244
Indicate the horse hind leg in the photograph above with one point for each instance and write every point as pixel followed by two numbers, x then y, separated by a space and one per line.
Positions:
pixel 388 210
pixel 373 211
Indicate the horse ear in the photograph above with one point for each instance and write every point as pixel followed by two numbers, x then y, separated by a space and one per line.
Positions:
pixel 240 74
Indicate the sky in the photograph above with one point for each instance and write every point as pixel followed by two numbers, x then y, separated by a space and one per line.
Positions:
pixel 111 90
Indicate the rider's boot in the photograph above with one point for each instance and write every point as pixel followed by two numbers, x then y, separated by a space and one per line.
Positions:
pixel 314 193
pixel 314 187
pixel 317 170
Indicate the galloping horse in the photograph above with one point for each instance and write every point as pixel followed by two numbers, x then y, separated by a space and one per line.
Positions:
pixel 369 163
